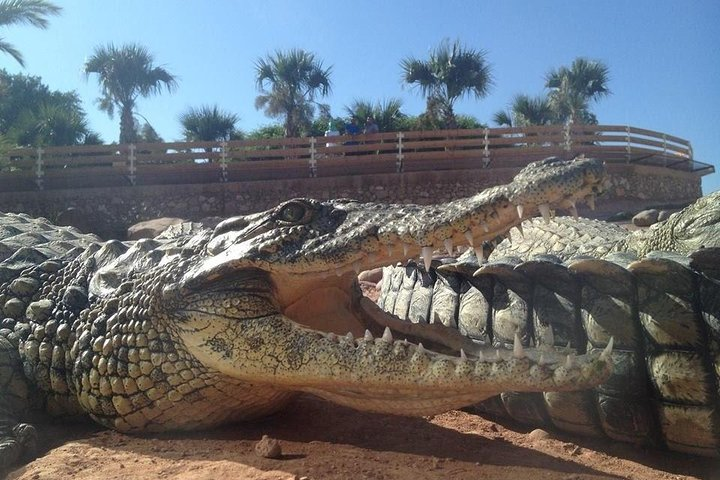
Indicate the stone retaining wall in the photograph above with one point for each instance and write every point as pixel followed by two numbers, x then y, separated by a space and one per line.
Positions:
pixel 109 211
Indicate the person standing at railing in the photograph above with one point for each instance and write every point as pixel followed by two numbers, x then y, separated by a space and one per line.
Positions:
pixel 371 127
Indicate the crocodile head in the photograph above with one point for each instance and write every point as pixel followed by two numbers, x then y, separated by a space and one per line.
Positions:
pixel 273 299
pixel 696 226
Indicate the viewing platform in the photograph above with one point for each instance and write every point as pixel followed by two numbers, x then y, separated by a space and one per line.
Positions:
pixel 180 163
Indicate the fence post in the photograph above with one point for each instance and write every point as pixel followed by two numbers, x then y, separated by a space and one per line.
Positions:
pixel 628 148
pixel 131 161
pixel 400 156
pixel 313 160
pixel 486 148
pixel 39 173
pixel 223 162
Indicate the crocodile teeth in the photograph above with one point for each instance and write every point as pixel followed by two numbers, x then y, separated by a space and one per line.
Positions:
pixel 349 337
pixel 420 349
pixel 332 337
pixel 368 336
pixel 389 251
pixel 518 351
pixel 485 227
pixel 481 356
pixel 605 355
pixel 406 247
pixel 570 361
pixel 520 230
pixel 520 209
pixel 448 246
pixel 480 254
pixel 387 335
pixel 462 355
pixel 573 210
pixel 426 255
pixel 590 199
pixel 545 211
pixel 469 237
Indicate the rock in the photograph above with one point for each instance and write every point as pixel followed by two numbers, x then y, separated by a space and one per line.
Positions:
pixel 151 228
pixel 74 217
pixel 620 216
pixel 646 218
pixel 538 434
pixel 268 448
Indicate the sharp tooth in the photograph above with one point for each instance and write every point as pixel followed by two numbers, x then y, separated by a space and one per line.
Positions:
pixel 349 337
pixel 469 238
pixel 420 348
pixel 607 352
pixel 481 356
pixel 332 337
pixel 485 227
pixel 426 254
pixel 368 336
pixel 573 210
pixel 497 354
pixel 448 246
pixel 356 266
pixel 389 251
pixel 518 351
pixel 480 254
pixel 520 209
pixel 590 199
pixel 387 335
pixel 462 355
pixel 520 230
pixel 570 361
pixel 545 211
pixel 406 247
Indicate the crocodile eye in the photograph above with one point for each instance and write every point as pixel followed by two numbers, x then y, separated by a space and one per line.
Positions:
pixel 293 212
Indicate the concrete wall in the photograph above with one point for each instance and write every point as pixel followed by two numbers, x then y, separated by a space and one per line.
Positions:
pixel 109 211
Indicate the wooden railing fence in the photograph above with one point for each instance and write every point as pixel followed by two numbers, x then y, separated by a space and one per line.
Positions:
pixel 246 160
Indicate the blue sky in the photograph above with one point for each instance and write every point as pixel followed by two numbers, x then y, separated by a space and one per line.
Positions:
pixel 662 55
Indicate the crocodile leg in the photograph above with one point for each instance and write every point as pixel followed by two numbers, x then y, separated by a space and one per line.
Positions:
pixel 17 440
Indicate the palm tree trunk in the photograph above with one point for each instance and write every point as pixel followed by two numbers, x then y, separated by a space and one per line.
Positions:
pixel 127 125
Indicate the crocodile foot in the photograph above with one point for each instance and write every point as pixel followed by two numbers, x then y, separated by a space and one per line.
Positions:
pixel 17 444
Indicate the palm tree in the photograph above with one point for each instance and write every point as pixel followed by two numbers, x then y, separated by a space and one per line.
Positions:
pixel 387 113
pixel 572 89
pixel 289 83
pixel 124 74
pixel 525 111
pixel 208 124
pixel 452 71
pixel 33 12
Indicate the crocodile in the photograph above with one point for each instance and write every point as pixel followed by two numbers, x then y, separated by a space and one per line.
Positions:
pixel 567 281
pixel 198 327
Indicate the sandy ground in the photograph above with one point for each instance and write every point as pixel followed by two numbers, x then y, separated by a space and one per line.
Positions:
pixel 323 441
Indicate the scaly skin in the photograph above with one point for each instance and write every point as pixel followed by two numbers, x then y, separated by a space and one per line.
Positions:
pixel 580 282
pixel 198 328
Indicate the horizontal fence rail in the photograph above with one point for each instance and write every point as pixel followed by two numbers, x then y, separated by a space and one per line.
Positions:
pixel 244 160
